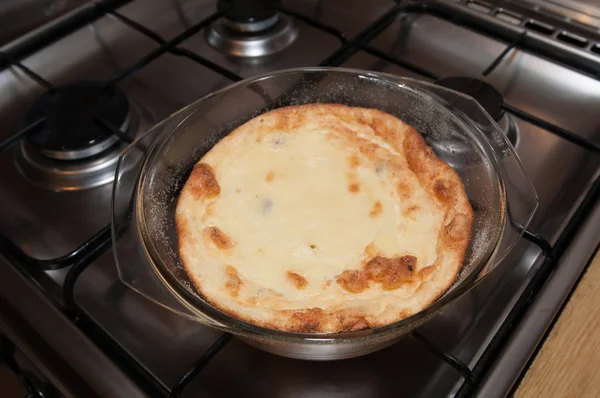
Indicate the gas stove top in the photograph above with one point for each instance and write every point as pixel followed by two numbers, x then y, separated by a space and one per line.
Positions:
pixel 76 92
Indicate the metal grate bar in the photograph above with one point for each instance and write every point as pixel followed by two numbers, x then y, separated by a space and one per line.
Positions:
pixel 122 358
pixel 567 135
pixel 113 129
pixel 176 50
pixel 165 48
pixel 344 53
pixel 82 263
pixel 459 14
pixel 540 241
pixel 82 252
pixel 347 50
pixel 37 125
pixel 31 129
pixel 456 363
pixel 135 25
pixel 209 64
pixel 404 64
pixel 31 74
pixel 133 368
pixel 54 33
pixel 531 291
pixel 200 364
pixel 314 23
pixel 503 54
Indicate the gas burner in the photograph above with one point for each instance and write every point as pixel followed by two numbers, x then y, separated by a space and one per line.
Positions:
pixel 73 151
pixel 71 130
pixel 252 39
pixel 488 97
pixel 250 28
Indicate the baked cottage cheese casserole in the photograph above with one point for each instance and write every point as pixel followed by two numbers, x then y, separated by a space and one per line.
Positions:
pixel 322 218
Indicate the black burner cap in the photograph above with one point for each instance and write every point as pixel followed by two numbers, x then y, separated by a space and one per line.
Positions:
pixel 488 97
pixel 247 11
pixel 71 129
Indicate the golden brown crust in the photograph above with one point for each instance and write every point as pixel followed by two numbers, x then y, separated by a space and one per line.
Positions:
pixel 411 211
pixel 444 184
pixel 351 320
pixel 307 320
pixel 353 281
pixel 369 252
pixel 404 190
pixel 388 273
pixel 234 282
pixel 391 273
pixel 202 182
pixel 217 237
pixel 298 280
pixel 354 187
pixel 377 209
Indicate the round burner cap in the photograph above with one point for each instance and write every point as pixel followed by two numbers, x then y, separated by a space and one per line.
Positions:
pixel 71 129
pixel 488 97
pixel 253 39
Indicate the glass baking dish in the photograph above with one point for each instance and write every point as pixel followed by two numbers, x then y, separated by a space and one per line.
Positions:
pixel 153 169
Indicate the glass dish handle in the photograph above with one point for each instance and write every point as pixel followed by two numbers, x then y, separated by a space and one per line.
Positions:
pixel 127 247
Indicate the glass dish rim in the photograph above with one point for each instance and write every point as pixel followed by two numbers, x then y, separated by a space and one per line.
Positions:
pixel 234 325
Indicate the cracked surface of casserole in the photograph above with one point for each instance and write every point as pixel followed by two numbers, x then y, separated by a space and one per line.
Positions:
pixel 322 218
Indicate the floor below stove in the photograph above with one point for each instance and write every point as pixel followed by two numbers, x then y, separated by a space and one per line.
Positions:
pixel 568 364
